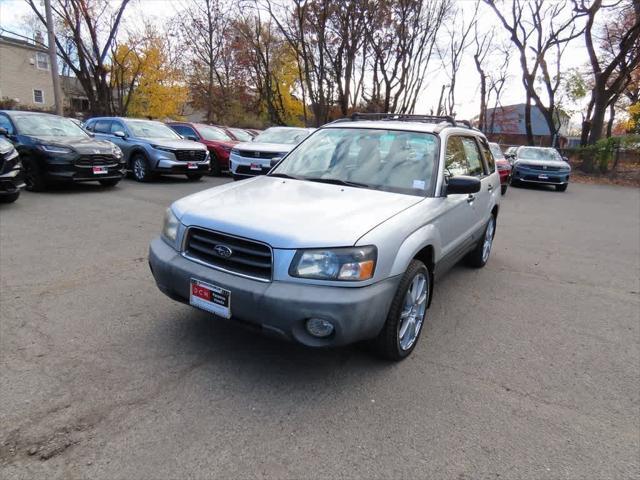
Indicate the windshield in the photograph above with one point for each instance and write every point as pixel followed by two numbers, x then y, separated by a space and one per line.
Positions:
pixel 495 150
pixel 536 153
pixel 47 126
pixel 398 161
pixel 151 129
pixel 241 134
pixel 213 133
pixel 288 136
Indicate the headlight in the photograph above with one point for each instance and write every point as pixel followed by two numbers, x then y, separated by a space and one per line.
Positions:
pixel 5 147
pixel 115 150
pixel 350 264
pixel 54 149
pixel 170 227
pixel 164 149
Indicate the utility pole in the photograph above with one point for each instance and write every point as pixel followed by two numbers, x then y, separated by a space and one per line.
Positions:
pixel 53 58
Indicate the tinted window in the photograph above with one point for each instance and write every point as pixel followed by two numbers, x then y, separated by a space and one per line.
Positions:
pixel 117 127
pixel 184 130
pixel 102 126
pixel 488 155
pixel 6 124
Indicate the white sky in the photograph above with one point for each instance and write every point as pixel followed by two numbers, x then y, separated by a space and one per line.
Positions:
pixel 467 91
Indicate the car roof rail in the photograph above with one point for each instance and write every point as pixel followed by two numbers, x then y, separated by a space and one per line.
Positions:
pixel 406 117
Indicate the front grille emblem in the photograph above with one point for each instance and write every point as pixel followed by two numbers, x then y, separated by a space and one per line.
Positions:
pixel 223 251
pixel 192 153
pixel 96 152
pixel 544 167
pixel 256 154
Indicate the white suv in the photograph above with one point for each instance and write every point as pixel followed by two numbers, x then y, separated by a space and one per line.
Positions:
pixel 343 239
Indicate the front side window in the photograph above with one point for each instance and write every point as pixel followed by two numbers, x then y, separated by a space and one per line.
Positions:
pixel 488 155
pixel 6 124
pixel 184 130
pixel 43 125
pixel 42 61
pixel 38 96
pixel 102 126
pixel 117 127
pixel 151 129
pixel 462 157
pixel 390 160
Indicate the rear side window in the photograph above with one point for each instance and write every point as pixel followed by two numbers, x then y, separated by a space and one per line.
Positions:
pixel 462 157
pixel 102 126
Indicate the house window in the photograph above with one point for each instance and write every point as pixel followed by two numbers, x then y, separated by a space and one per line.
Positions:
pixel 42 61
pixel 38 96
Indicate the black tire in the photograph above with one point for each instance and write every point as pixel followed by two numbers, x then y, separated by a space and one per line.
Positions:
pixel 194 177
pixel 387 343
pixel 514 183
pixel 110 182
pixel 476 258
pixel 562 188
pixel 10 198
pixel 140 168
pixel 215 170
pixel 503 189
pixel 34 177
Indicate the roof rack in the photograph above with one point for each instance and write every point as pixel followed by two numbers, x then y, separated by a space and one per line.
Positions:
pixel 406 117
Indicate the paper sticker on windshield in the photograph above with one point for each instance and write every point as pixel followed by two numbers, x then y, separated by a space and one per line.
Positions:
pixel 419 184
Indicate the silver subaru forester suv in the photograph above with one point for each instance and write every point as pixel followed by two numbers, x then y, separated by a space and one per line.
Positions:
pixel 342 241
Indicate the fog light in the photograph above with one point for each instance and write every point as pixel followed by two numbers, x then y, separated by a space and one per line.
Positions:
pixel 319 328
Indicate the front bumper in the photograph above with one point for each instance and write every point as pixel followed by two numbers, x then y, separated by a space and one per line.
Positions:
pixel 281 308
pixel 81 170
pixel 176 167
pixel 547 177
pixel 12 181
pixel 248 167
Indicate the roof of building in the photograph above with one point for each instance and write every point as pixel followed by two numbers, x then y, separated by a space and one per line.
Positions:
pixel 23 43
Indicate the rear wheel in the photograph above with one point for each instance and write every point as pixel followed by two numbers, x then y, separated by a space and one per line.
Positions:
pixel 562 188
pixel 194 176
pixel 140 168
pixel 10 198
pixel 503 188
pixel 479 257
pixel 402 328
pixel 110 182
pixel 34 178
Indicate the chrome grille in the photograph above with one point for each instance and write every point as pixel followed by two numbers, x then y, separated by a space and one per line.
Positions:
pixel 190 155
pixel 249 258
pixel 256 154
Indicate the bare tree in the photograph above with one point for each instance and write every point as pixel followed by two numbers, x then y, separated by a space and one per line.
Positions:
pixel 543 30
pixel 483 46
pixel 497 81
pixel 612 66
pixel 90 29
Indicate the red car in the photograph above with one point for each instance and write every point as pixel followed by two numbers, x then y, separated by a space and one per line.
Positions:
pixel 503 166
pixel 216 139
pixel 239 134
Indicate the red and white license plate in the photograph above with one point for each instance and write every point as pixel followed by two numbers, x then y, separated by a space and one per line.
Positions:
pixel 256 166
pixel 210 298
pixel 100 170
pixel 192 166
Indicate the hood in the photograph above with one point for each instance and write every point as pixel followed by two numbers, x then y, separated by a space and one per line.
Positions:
pixel 548 163
pixel 85 146
pixel 291 213
pixel 178 144
pixel 265 147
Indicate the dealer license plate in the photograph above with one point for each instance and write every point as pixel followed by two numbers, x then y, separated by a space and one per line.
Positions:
pixel 100 170
pixel 192 166
pixel 543 177
pixel 210 298
pixel 256 166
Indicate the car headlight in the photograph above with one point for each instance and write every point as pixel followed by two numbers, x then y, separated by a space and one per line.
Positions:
pixel 170 226
pixel 164 149
pixel 54 149
pixel 116 151
pixel 350 264
pixel 5 147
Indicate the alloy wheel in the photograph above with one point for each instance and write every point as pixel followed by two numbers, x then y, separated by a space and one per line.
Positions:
pixel 413 311
pixel 488 239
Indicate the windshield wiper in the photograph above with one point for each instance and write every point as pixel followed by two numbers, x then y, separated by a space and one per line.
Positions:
pixel 337 181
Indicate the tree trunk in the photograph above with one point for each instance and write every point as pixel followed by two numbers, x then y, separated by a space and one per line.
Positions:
pixel 527 121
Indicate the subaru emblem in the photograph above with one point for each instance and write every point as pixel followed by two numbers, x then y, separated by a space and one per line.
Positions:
pixel 223 251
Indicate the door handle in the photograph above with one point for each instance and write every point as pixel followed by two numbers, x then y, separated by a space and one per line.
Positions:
pixel 471 198
pixel 490 187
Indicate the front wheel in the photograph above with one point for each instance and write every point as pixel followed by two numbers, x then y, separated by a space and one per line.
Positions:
pixel 402 328
pixel 140 168
pixel 479 257
pixel 110 182
pixel 9 198
pixel 34 178
pixel 562 188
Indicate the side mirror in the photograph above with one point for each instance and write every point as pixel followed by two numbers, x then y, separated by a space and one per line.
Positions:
pixel 463 184
pixel 274 161
pixel 120 134
pixel 566 159
pixel 192 137
pixel 4 132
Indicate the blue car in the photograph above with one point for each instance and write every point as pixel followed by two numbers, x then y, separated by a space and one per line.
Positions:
pixel 151 147
pixel 539 165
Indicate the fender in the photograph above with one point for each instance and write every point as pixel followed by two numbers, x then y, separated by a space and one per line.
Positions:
pixel 423 237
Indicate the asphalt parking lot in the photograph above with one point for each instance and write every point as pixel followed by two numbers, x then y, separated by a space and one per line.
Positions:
pixel 529 367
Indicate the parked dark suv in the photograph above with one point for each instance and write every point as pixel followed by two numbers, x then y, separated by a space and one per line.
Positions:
pixel 54 149
pixel 10 172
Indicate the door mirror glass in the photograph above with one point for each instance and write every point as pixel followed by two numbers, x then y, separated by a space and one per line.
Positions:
pixel 463 184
